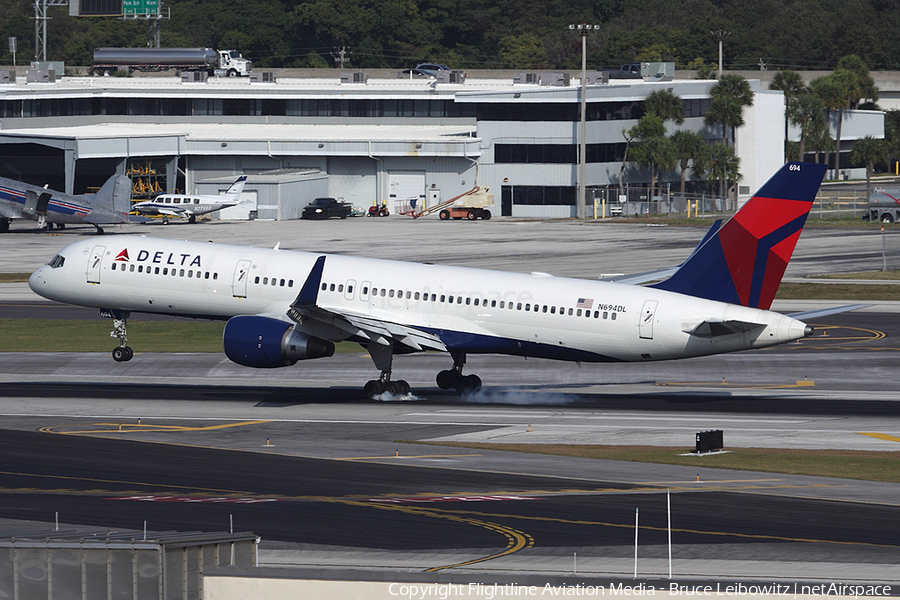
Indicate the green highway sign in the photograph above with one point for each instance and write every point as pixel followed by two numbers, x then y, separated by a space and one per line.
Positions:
pixel 140 7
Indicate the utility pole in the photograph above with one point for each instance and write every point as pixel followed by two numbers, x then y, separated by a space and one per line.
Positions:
pixel 583 29
pixel 720 36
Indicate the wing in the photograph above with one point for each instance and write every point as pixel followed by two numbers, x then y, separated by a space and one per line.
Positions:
pixel 362 328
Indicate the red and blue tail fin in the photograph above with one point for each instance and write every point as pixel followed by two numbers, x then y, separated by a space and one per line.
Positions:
pixel 743 262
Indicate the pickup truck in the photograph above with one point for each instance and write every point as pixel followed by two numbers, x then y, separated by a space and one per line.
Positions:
pixel 323 208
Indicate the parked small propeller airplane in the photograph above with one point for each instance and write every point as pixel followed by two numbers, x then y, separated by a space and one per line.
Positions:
pixel 20 200
pixel 285 306
pixel 188 206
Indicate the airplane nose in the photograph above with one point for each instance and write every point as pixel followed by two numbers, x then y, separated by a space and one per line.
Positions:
pixel 37 282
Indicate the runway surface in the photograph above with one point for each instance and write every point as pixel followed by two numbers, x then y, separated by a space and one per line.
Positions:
pixel 192 441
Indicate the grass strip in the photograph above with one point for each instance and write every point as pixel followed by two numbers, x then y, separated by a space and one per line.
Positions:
pixel 846 464
pixel 38 335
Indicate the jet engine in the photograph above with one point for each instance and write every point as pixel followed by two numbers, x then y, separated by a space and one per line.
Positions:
pixel 264 342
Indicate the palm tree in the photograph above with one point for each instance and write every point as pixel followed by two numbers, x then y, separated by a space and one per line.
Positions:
pixel 868 151
pixel 808 112
pixel 729 97
pixel 689 146
pixel 724 167
pixel 791 85
pixel 831 92
pixel 852 77
pixel 653 149
pixel 665 105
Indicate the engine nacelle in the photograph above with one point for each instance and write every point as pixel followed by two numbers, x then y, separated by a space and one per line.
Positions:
pixel 266 343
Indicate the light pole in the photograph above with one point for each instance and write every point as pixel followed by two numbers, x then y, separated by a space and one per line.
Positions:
pixel 720 35
pixel 583 29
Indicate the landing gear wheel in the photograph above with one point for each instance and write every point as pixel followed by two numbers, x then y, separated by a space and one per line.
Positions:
pixel 122 354
pixel 444 215
pixel 468 384
pixel 192 219
pixel 402 386
pixel 165 220
pixel 373 388
pixel 445 379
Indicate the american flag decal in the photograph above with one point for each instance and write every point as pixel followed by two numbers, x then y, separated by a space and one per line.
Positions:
pixel 585 303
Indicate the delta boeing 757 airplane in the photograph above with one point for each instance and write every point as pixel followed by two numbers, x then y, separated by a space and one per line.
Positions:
pixel 284 306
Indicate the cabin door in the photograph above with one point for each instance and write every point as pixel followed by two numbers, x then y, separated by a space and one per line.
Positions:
pixel 648 315
pixel 94 264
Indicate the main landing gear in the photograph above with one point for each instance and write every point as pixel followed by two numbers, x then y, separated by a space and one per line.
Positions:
pixel 382 356
pixel 454 378
pixel 123 353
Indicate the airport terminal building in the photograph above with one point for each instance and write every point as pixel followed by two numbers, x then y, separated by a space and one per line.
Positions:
pixel 392 140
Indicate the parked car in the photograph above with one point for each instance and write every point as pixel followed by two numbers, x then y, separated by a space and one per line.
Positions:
pixel 323 208
pixel 431 69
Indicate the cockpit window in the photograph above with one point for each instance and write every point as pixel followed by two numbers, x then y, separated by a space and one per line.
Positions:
pixel 57 261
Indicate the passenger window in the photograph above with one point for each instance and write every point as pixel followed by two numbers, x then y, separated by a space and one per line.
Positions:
pixel 382 292
pixel 409 295
pixel 266 282
pixel 614 316
pixel 605 315
pixel 331 287
pixel 570 312
pixel 416 297
pixel 552 310
pixel 324 287
pixel 578 313
pixel 544 309
pixel 340 287
pixel 519 306
pixel 290 283
pixel 468 300
pixel 433 297
pixel 181 273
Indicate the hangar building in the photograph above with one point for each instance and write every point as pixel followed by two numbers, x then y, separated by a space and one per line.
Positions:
pixel 378 141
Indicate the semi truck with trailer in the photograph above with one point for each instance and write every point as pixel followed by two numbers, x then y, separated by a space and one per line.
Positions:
pixel 229 63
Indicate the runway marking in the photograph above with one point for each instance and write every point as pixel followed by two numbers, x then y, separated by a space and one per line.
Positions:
pixel 754 536
pixel 108 481
pixel 408 456
pixel 881 436
pixel 429 499
pixel 141 428
pixel 196 499
pixel 775 386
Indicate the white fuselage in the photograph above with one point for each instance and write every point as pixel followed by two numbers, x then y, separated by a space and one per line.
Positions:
pixel 471 310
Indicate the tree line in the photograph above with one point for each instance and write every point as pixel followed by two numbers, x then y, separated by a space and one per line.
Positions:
pixel 812 108
pixel 479 34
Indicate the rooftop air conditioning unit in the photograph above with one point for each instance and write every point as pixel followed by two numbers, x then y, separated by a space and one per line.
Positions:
pixel 533 78
pixel 597 77
pixel 194 76
pixel 555 79
pixel 40 76
pixel 262 77
pixel 7 76
pixel 354 77
pixel 450 77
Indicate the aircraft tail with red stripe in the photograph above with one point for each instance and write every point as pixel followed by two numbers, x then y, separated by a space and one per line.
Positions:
pixel 744 261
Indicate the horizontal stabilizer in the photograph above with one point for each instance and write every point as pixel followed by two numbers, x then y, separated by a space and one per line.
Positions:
pixel 824 312
pixel 714 328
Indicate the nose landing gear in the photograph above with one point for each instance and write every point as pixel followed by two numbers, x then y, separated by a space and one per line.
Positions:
pixel 123 353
